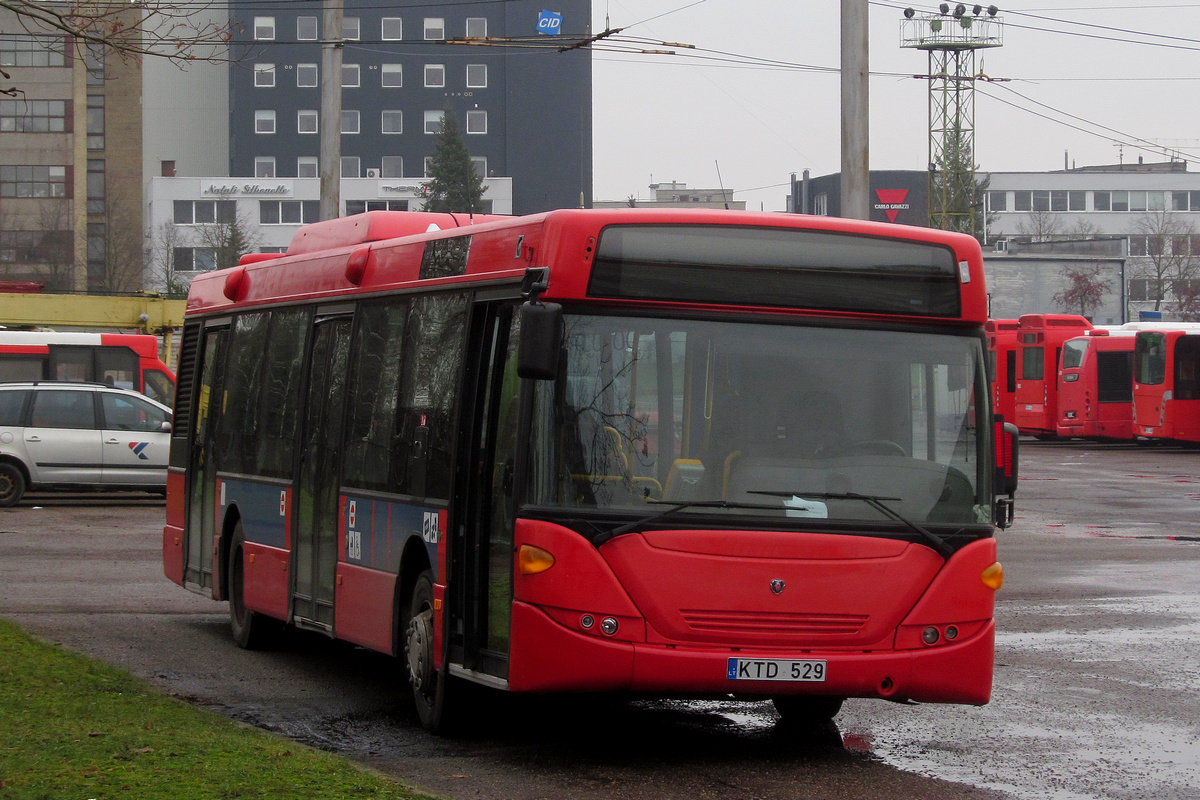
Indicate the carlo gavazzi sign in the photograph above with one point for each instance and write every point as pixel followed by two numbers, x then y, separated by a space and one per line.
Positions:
pixel 891 202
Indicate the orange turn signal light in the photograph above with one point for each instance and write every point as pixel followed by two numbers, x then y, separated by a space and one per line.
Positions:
pixel 532 560
pixel 993 576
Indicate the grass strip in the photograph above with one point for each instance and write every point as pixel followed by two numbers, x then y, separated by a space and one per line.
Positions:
pixel 75 728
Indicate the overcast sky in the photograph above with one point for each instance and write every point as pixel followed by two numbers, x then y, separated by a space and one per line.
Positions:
pixel 1084 76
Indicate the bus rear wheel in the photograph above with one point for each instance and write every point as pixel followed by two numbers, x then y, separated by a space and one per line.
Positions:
pixel 251 630
pixel 810 708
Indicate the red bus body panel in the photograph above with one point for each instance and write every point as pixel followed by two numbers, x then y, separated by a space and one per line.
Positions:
pixel 1081 413
pixel 1167 410
pixel 1037 396
pixel 363 606
pixel 1002 344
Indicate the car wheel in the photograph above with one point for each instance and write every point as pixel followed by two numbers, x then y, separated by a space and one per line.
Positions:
pixel 12 485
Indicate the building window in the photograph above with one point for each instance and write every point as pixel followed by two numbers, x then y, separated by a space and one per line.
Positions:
pixel 393 122
pixel 1139 289
pixel 476 76
pixel 435 76
pixel 33 51
pixel 95 186
pixel 391 29
pixel 205 212
pixel 1120 201
pixel 95 122
pixel 35 247
pixel 391 76
pixel 360 206
pixel 350 28
pixel 307 167
pixel 428 165
pixel 33 181
pixel 264 28
pixel 264 166
pixel 480 165
pixel 264 120
pixel 1101 201
pixel 306 29
pixel 350 76
pixel 306 76
pixel 306 121
pixel 288 212
pixel 33 116
pixel 433 121
pixel 264 76
pixel 392 167
pixel 476 122
pixel 350 167
pixel 435 28
pixel 821 205
pixel 194 259
pixel 350 122
pixel 476 27
pixel 997 201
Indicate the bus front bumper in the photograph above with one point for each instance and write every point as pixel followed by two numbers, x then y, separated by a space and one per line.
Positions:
pixel 547 657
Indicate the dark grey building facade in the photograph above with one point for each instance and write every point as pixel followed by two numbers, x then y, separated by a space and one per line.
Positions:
pixel 524 108
pixel 900 196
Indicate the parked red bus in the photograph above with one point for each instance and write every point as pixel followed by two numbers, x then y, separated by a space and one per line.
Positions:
pixel 1002 357
pixel 124 360
pixel 663 451
pixel 1095 385
pixel 1039 341
pixel 1166 384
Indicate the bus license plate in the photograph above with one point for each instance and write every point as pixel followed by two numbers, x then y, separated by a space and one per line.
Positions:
pixel 775 669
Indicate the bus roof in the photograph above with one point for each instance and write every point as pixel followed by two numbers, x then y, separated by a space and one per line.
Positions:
pixel 381 251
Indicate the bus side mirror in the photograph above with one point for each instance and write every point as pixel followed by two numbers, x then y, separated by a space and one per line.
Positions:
pixel 1006 470
pixel 541 341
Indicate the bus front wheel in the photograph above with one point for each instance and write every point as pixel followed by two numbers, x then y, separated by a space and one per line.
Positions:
pixel 440 699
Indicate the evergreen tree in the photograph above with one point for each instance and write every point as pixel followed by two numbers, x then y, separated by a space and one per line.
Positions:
pixel 454 185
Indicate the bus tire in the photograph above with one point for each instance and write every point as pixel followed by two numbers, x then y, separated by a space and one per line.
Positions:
pixel 251 630
pixel 12 484
pixel 440 699
pixel 810 708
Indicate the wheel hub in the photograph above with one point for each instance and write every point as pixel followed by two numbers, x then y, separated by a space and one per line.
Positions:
pixel 418 646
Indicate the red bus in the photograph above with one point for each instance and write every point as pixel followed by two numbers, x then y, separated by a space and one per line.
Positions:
pixel 1166 384
pixel 124 360
pixel 1039 342
pixel 1095 385
pixel 1002 358
pixel 663 451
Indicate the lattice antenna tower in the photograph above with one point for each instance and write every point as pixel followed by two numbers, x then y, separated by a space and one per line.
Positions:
pixel 952 38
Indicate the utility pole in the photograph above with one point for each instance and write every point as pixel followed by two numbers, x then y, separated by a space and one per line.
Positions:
pixel 331 111
pixel 855 109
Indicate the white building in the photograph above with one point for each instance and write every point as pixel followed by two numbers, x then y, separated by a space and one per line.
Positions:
pixel 189 219
pixel 1155 206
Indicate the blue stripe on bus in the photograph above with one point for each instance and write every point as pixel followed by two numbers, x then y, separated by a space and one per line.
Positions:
pixel 377 530
pixel 263 510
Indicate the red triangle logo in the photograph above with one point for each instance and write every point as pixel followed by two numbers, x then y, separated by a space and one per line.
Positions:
pixel 891 197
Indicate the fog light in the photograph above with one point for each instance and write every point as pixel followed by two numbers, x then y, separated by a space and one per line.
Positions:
pixel 587 620
pixel 930 635
pixel 951 632
pixel 608 625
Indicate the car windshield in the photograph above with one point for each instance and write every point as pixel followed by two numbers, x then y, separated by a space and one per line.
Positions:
pixel 793 423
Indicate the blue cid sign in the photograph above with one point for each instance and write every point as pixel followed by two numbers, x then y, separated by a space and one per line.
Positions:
pixel 549 23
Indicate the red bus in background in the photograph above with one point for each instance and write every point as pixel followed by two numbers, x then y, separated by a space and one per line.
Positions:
pixel 1002 358
pixel 664 451
pixel 124 360
pixel 1039 344
pixel 1095 385
pixel 1166 384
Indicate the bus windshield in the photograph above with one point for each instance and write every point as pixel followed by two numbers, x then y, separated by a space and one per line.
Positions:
pixel 791 423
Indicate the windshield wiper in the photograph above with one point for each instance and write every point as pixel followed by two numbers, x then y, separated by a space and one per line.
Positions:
pixel 621 530
pixel 876 502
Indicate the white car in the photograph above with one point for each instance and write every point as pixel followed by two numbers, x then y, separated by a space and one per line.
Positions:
pixel 80 437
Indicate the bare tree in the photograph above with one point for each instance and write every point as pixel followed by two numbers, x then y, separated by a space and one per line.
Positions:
pixel 161 260
pixel 1084 290
pixel 1082 229
pixel 1168 261
pixel 1041 226
pixel 115 248
pixel 177 31
pixel 229 240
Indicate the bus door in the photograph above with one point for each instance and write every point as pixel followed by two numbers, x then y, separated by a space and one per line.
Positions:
pixel 481 580
pixel 202 468
pixel 314 536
